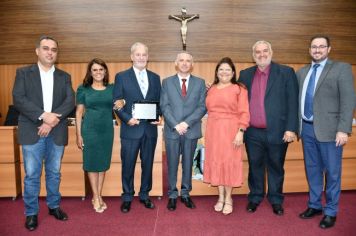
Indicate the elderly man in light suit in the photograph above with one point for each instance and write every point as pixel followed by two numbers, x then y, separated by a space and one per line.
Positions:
pixel 183 105
pixel 327 101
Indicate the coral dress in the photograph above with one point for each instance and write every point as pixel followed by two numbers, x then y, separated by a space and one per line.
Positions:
pixel 228 110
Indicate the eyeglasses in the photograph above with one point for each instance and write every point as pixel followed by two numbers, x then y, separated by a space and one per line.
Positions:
pixel 314 47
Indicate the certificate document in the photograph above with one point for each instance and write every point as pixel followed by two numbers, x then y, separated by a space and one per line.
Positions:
pixel 145 110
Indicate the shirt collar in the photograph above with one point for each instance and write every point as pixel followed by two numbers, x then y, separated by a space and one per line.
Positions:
pixel 137 71
pixel 322 63
pixel 265 71
pixel 42 71
pixel 181 77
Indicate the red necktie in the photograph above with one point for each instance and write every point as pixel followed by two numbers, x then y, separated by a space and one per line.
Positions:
pixel 184 88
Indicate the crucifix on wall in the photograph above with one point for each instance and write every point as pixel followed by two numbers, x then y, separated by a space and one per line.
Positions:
pixel 184 18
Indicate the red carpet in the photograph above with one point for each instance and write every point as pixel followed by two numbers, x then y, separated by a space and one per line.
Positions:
pixel 200 221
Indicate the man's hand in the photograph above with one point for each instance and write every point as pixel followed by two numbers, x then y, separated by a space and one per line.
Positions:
pixel 181 128
pixel 208 85
pixel 52 119
pixel 44 130
pixel 289 136
pixel 156 122
pixel 341 138
pixel 133 122
pixel 118 104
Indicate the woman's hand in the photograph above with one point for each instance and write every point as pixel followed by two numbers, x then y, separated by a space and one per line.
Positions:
pixel 80 143
pixel 238 140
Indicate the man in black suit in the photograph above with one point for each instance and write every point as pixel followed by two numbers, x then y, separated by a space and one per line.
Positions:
pixel 136 84
pixel 273 97
pixel 44 97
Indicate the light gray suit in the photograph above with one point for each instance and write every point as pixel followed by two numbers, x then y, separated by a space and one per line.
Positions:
pixel 176 109
pixel 334 100
pixel 333 106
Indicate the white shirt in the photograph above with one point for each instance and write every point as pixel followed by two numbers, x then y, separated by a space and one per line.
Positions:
pixel 306 81
pixel 47 88
pixel 142 80
pixel 186 82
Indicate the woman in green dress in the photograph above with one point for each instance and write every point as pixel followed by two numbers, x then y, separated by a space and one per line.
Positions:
pixel 94 126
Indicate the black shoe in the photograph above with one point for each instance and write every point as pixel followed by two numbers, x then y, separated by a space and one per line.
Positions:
pixel 58 214
pixel 188 202
pixel 277 209
pixel 172 204
pixel 148 204
pixel 251 207
pixel 31 222
pixel 125 206
pixel 310 213
pixel 327 222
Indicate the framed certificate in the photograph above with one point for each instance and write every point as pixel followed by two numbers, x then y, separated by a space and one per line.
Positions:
pixel 145 110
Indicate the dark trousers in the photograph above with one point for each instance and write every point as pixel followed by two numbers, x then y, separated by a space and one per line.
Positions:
pixel 322 159
pixel 174 148
pixel 264 156
pixel 129 150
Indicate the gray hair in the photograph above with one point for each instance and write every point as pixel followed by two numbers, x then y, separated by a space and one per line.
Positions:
pixel 261 42
pixel 137 44
pixel 184 52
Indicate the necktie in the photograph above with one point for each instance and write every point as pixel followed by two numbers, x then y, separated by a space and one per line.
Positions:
pixel 309 94
pixel 142 83
pixel 184 88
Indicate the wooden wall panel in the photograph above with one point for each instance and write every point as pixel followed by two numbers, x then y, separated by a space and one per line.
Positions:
pixel 106 28
pixel 204 70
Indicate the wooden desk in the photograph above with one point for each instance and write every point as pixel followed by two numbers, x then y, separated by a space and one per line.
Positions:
pixel 295 177
pixel 113 184
pixel 73 177
pixel 10 176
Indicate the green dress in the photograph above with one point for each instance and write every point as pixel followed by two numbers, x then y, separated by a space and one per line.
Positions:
pixel 97 127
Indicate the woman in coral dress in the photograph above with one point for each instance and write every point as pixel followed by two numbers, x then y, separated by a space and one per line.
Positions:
pixel 228 118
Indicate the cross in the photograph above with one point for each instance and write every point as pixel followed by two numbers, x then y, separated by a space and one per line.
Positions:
pixel 184 18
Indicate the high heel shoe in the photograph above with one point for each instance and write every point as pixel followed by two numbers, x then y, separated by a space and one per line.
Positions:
pixel 103 204
pixel 219 206
pixel 228 208
pixel 96 205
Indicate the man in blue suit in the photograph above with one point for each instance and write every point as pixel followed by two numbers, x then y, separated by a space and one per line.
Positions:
pixel 273 97
pixel 44 97
pixel 132 85
pixel 326 123
pixel 183 106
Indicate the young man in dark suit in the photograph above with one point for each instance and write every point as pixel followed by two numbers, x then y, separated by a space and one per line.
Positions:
pixel 132 85
pixel 44 97
pixel 273 97
pixel 327 102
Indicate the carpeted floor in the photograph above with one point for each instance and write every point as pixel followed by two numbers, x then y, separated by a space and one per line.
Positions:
pixel 200 221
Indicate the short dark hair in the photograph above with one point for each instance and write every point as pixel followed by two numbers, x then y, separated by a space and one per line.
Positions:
pixel 43 37
pixel 322 36
pixel 88 79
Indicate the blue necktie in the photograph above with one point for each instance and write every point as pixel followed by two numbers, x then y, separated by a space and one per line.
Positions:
pixel 309 94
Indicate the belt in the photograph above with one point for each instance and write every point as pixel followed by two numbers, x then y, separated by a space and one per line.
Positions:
pixel 308 121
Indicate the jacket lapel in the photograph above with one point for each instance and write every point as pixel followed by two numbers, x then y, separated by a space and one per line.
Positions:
pixel 271 78
pixel 177 85
pixel 190 86
pixel 36 78
pixel 135 82
pixel 323 74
